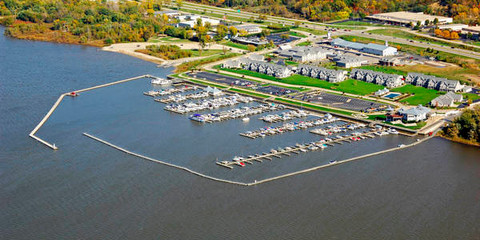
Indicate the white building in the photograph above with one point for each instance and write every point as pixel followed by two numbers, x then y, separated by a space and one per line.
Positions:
pixel 415 114
pixel 304 53
pixel 453 27
pixel 447 100
pixel 381 50
pixel 250 29
pixel 349 61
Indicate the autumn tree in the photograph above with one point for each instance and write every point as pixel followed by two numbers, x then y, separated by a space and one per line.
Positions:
pixel 251 48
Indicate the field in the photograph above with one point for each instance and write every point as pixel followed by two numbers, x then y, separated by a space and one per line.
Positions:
pixel 306 43
pixel 384 69
pixel 312 31
pixel 168 39
pixel 205 52
pixel 296 34
pixel 235 45
pixel 348 86
pixel 421 95
pixel 194 64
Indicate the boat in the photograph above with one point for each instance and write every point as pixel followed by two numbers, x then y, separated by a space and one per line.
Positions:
pixel 332 161
pixel 161 81
pixel 245 119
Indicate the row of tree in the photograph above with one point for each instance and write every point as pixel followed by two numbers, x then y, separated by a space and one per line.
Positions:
pixel 466 127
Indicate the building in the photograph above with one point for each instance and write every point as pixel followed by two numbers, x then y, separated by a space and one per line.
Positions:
pixel 256 41
pixel 389 61
pixel 415 114
pixel 256 57
pixel 321 73
pixel 266 68
pixel 380 50
pixel 250 29
pixel 404 18
pixel 371 48
pixel 447 100
pixel 232 64
pixel 387 80
pixel 382 92
pixel 453 27
pixel 432 82
pixel 349 61
pixel 191 20
pixel 472 29
pixel 169 13
pixel 303 53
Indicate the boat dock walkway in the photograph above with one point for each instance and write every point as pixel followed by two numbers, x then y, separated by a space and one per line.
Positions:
pixel 72 94
pixel 295 149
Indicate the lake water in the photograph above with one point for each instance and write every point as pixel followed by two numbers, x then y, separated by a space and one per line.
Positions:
pixel 86 190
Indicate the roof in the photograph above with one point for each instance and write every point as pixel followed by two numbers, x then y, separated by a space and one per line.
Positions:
pixel 378 47
pixel 406 17
pixel 418 110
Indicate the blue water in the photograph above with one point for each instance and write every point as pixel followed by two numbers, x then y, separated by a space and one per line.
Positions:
pixel 392 95
pixel 86 190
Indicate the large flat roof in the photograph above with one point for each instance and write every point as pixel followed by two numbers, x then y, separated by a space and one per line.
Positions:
pixel 406 17
pixel 472 29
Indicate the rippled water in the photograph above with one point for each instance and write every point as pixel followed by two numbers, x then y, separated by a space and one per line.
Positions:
pixel 86 190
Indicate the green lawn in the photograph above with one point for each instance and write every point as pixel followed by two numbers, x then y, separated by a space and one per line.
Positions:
pixel 312 31
pixel 296 34
pixel 421 95
pixel 291 63
pixel 348 86
pixel 307 105
pixel 194 64
pixel 235 45
pixel 306 43
pixel 205 52
pixel 471 96
pixel 384 69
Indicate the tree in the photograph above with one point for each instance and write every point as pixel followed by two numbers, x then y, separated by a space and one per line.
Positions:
pixel 438 32
pixel 446 34
pixel 285 36
pixel 251 48
pixel 265 32
pixel 427 22
pixel 454 36
pixel 242 33
pixel 233 31
pixel 435 21
pixel 179 3
pixel 222 31
pixel 297 23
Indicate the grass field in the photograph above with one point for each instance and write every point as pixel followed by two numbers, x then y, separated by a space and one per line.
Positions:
pixel 312 31
pixel 421 95
pixel 194 64
pixel 384 69
pixel 471 96
pixel 296 34
pixel 303 104
pixel 235 45
pixel 205 52
pixel 306 43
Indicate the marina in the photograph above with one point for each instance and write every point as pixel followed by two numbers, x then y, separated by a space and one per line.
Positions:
pixel 170 91
pixel 306 147
pixel 235 113
pixel 289 127
pixel 208 104
pixel 273 118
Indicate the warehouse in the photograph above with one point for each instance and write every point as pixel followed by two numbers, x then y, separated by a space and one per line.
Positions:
pixel 404 18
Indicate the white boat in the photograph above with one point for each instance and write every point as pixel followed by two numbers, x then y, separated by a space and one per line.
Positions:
pixel 246 119
pixel 161 81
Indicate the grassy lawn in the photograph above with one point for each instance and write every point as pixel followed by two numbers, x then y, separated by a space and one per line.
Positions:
pixel 291 63
pixel 235 45
pixel 307 105
pixel 384 69
pixel 357 87
pixel 296 34
pixel 416 127
pixel 306 43
pixel 194 64
pixel 312 31
pixel 470 96
pixel 205 52
pixel 421 95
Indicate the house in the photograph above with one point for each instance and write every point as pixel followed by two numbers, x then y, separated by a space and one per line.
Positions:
pixel 321 73
pixel 169 13
pixel 388 80
pixel 232 64
pixel 447 100
pixel 349 61
pixel 415 114
pixel 432 82
pixel 266 68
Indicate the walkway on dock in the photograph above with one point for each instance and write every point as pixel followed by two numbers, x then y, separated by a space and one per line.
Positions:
pixel 260 181
pixel 73 94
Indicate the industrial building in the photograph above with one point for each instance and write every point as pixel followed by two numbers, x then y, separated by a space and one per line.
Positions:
pixel 404 18
pixel 250 29
pixel 371 48
pixel 349 61
pixel 304 53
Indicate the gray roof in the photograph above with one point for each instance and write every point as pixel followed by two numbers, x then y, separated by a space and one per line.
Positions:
pixel 418 110
pixel 376 46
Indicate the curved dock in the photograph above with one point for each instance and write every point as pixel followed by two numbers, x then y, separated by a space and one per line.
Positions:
pixel 59 100
pixel 260 181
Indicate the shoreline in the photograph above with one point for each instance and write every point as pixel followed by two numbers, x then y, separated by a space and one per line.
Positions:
pixel 460 141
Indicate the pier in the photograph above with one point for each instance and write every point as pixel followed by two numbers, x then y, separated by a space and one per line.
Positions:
pixel 72 94
pixel 299 148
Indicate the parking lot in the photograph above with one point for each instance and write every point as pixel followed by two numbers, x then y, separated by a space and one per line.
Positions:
pixel 222 79
pixel 340 101
pixel 275 90
pixel 277 40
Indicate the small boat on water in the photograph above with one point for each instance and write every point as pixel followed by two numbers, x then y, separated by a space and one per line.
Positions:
pixel 245 119
pixel 161 81
pixel 332 161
